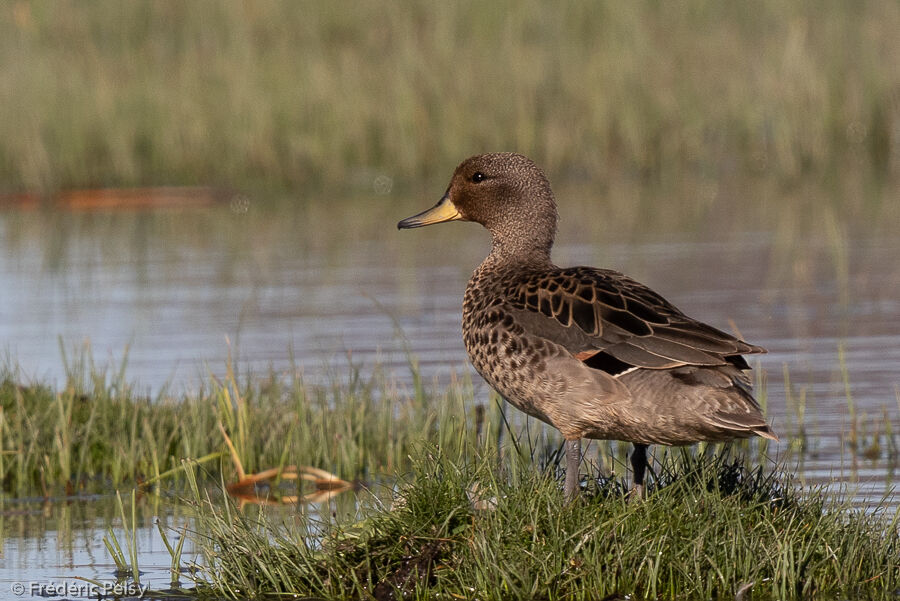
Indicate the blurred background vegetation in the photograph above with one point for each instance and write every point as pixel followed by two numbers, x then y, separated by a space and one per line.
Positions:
pixel 285 95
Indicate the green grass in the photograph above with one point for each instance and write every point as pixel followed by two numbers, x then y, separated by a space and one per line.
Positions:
pixel 97 433
pixel 710 527
pixel 322 94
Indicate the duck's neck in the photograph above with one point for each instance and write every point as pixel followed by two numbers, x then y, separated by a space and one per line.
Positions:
pixel 524 235
pixel 519 251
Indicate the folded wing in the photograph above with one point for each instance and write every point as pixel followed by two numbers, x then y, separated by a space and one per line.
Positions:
pixel 614 323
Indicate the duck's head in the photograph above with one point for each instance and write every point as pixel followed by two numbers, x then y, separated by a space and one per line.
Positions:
pixel 506 193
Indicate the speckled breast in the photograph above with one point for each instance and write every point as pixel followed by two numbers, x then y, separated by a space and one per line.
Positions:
pixel 498 347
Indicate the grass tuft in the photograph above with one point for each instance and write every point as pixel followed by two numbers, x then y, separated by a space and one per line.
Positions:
pixel 711 528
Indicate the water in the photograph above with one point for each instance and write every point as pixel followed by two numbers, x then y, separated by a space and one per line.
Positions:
pixel 310 285
pixel 49 548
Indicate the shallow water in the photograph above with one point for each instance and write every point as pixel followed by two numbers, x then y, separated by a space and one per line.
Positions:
pixel 311 285
pixel 49 548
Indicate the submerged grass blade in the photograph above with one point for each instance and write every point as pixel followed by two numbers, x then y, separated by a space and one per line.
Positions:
pixel 174 552
pixel 130 529
pixel 111 542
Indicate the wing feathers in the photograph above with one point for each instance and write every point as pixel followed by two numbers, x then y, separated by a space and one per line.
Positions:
pixel 639 357
pixel 590 310
pixel 744 422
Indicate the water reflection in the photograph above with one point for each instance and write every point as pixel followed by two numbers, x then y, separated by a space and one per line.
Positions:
pixel 48 546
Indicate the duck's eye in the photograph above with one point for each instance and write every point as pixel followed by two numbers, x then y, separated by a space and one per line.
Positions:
pixel 478 176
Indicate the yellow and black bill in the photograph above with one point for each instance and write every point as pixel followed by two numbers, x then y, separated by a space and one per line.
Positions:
pixel 444 210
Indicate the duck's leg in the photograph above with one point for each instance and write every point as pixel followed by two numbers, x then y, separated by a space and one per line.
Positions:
pixel 573 462
pixel 638 466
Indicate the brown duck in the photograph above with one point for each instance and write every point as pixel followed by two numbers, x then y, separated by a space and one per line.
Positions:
pixel 590 351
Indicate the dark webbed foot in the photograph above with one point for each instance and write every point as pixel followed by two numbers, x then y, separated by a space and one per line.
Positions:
pixel 573 462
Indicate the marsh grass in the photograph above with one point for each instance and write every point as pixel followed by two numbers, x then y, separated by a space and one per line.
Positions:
pixel 175 552
pixel 97 433
pixel 299 95
pixel 126 564
pixel 736 527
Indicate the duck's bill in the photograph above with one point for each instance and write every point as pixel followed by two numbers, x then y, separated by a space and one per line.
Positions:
pixel 444 210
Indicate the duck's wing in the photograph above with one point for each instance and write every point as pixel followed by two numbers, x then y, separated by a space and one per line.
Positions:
pixel 612 322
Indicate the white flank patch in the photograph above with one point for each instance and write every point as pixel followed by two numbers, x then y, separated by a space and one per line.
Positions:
pixel 627 371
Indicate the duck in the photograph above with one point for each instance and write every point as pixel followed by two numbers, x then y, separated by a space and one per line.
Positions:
pixel 590 351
